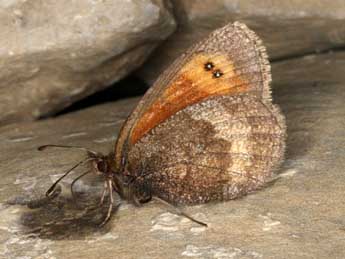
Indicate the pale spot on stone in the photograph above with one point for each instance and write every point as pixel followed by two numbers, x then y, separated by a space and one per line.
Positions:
pixel 166 222
pixel 77 17
pixel 77 91
pixel 288 173
pixel 163 228
pixel 125 206
pixel 75 134
pixel 20 139
pixel 35 70
pixel 18 13
pixel 295 236
pixel 269 223
pixel 103 140
pixel 28 183
pixel 197 230
pixel 110 123
pixel 15 211
pixel 218 252
pixel 106 237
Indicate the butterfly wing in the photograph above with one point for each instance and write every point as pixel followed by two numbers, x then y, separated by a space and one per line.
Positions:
pixel 230 61
pixel 217 149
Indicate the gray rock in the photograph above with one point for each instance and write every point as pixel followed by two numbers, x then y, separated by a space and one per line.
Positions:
pixel 277 8
pixel 300 216
pixel 288 28
pixel 54 53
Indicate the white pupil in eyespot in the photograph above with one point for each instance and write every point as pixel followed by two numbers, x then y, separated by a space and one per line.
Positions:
pixel 209 66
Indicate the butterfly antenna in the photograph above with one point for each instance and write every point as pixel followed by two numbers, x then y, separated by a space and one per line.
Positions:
pixel 44 147
pixel 51 189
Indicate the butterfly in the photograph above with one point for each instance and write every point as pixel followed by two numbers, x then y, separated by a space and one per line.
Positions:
pixel 205 131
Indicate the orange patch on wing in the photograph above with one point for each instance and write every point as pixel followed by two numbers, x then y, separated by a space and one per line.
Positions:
pixel 192 84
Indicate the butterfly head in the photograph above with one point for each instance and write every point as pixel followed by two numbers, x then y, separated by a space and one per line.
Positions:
pixel 125 185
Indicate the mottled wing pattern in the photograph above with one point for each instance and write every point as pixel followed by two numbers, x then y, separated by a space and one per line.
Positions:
pixel 218 149
pixel 230 61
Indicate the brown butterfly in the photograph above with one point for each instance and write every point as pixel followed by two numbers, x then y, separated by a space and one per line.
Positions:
pixel 205 131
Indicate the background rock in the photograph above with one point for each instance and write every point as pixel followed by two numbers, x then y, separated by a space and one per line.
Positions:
pixel 300 216
pixel 54 53
pixel 283 9
pixel 288 28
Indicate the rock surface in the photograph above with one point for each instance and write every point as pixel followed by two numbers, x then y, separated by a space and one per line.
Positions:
pixel 54 53
pixel 300 216
pixel 278 8
pixel 288 28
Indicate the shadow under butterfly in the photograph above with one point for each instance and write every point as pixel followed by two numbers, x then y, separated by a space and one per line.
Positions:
pixel 205 131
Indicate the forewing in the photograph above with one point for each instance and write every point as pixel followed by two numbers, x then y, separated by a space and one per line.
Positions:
pixel 230 61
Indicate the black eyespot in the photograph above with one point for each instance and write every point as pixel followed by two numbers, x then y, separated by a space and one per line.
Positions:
pixel 208 66
pixel 217 74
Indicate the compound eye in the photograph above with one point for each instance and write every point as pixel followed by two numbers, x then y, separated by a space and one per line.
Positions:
pixel 102 166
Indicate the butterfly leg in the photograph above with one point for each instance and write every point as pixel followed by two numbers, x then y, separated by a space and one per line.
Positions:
pixel 178 211
pixel 103 193
pixel 109 183
pixel 136 202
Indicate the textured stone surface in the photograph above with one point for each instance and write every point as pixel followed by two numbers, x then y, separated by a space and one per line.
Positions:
pixel 54 53
pixel 300 216
pixel 288 28
pixel 284 9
